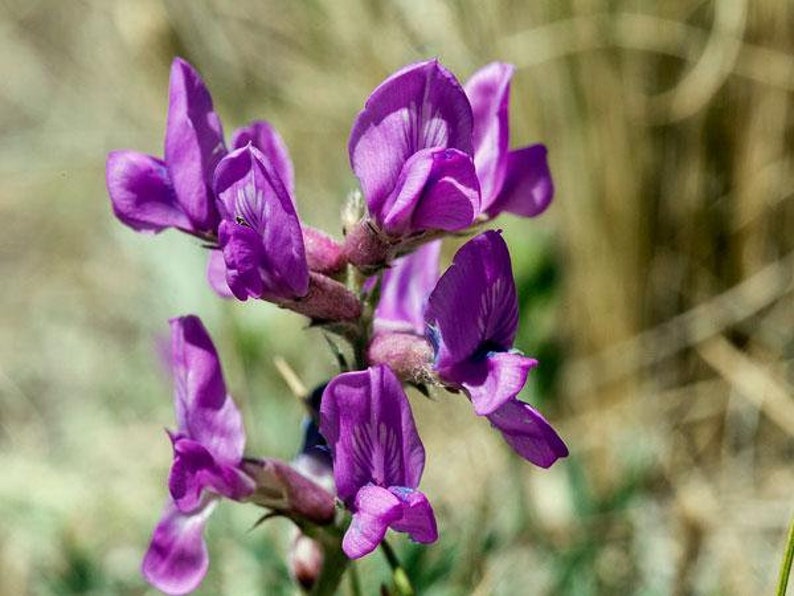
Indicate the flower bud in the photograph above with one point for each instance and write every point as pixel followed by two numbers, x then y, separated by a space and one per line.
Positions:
pixel 305 561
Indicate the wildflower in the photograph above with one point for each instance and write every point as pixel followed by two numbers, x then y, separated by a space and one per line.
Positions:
pixel 477 355
pixel 260 234
pixel 517 181
pixel 208 448
pixel 411 149
pixel 150 194
pixel 378 458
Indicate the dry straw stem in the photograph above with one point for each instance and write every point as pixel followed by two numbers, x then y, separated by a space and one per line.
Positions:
pixel 706 320
pixel 753 382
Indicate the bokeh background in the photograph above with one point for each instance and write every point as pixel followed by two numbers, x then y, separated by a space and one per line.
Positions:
pixel 656 291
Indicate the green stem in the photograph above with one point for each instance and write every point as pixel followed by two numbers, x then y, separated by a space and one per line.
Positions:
pixel 355 584
pixel 334 565
pixel 788 557
pixel 401 581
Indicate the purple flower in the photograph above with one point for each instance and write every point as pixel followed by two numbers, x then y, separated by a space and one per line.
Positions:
pixel 150 194
pixel 378 458
pixel 517 181
pixel 404 291
pixel 208 448
pixel 472 319
pixel 260 234
pixel 412 152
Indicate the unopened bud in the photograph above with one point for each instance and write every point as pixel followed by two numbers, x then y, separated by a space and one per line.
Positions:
pixel 283 489
pixel 323 253
pixel 305 561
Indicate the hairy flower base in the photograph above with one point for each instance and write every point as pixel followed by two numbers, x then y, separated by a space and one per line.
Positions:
pixel 327 300
pixel 408 355
pixel 368 248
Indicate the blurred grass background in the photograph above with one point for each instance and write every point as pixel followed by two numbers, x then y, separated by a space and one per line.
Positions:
pixel 656 291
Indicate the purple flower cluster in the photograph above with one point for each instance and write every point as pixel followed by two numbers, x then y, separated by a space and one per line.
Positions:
pixel 432 157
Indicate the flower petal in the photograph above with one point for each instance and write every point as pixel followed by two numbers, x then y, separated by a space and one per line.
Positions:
pixel 251 194
pixel 495 380
pixel 194 469
pixel 477 288
pixel 418 519
pixel 488 91
pixel 177 558
pixel 242 253
pixel 141 192
pixel 437 190
pixel 528 187
pixel 418 107
pixel 367 421
pixel 528 433
pixel 405 289
pixel 204 412
pixel 375 509
pixel 265 138
pixel 216 274
pixel 193 145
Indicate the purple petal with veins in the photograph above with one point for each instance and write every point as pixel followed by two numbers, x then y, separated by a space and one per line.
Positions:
pixel 141 192
pixel 204 411
pixel 478 288
pixel 488 91
pixel 528 433
pixel 261 235
pixel 528 187
pixel 419 107
pixel 437 190
pixel 405 289
pixel 177 558
pixel 492 379
pixel 367 421
pixel 193 145
pixel 195 469
pixel 375 509
pixel 265 138
pixel 216 274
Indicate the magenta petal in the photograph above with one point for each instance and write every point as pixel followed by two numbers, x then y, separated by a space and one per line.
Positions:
pixel 194 469
pixel 488 91
pixel 265 138
pixel 437 189
pixel 204 412
pixel 141 192
pixel 496 380
pixel 405 289
pixel 418 107
pixel 177 558
pixel 252 194
pixel 396 211
pixel 528 187
pixel 216 274
pixel 418 519
pixel 193 145
pixel 243 253
pixel 528 433
pixel 367 421
pixel 478 287
pixel 375 509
